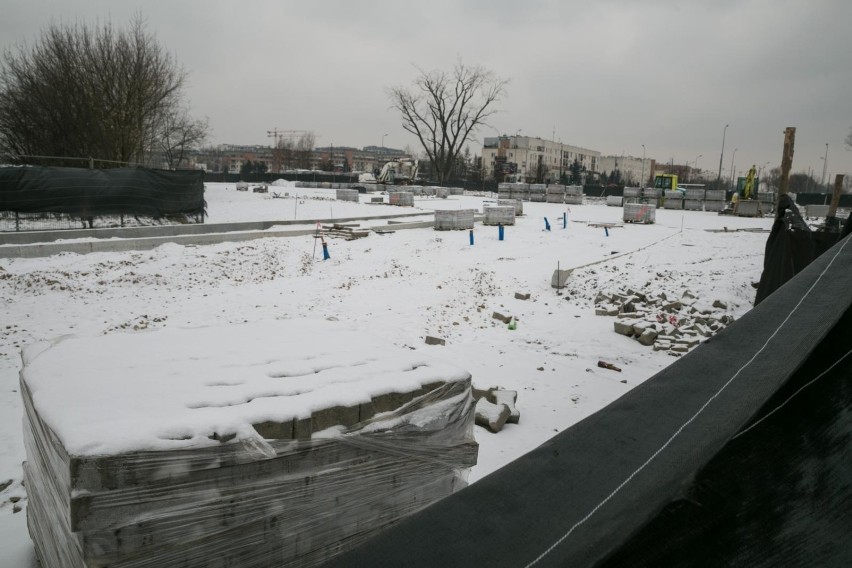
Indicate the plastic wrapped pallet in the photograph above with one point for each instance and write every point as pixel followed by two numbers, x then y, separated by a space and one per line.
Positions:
pixel 573 199
pixel 499 215
pixel 456 190
pixel 640 213
pixel 693 205
pixel 694 194
pixel 555 189
pixel 555 198
pixel 574 190
pixel 614 200
pixel 632 192
pixel 673 203
pixel 714 205
pixel 401 198
pixel 816 211
pixel 518 205
pixel 441 192
pixel 714 195
pixel 453 219
pixel 347 195
pixel 278 443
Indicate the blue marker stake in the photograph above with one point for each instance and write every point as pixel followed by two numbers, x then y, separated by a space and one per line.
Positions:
pixel 471 237
pixel 500 232
pixel 325 255
pixel 606 230
pixel 546 224
pixel 564 220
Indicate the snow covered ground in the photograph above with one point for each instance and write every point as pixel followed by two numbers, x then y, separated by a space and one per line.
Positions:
pixel 399 288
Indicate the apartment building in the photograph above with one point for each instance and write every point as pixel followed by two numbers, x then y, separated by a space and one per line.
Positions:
pixel 527 158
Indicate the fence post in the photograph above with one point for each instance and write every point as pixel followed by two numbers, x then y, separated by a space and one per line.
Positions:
pixel 17 222
pixel 91 163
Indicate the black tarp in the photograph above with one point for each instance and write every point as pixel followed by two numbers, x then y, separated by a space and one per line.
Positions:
pixel 792 245
pixel 91 193
pixel 737 454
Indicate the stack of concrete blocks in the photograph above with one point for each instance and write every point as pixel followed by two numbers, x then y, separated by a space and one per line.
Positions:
pixel 574 195
pixel 456 190
pixel 401 198
pixel 441 192
pixel 518 205
pixel 673 199
pixel 538 192
pixel 767 201
pixel 453 219
pixel 504 190
pixel 287 499
pixel 429 191
pixel 816 211
pixel 640 213
pixel 632 192
pixel 747 208
pixel 652 195
pixel 614 200
pixel 694 199
pixel 521 191
pixel 347 195
pixel 555 193
pixel 714 200
pixel 499 215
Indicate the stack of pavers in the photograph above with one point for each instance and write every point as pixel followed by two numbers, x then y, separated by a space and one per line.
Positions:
pixel 518 205
pixel 498 215
pixel 347 195
pixel 504 190
pixel 278 443
pixel 574 195
pixel 640 213
pixel 453 219
pixel 673 199
pixel 652 195
pixel 555 193
pixel 694 199
pixel 401 198
pixel 520 191
pixel 714 200
pixel 767 201
pixel 537 192
pixel 632 193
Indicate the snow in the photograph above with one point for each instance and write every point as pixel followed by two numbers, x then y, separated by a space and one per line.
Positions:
pixel 396 289
pixel 175 388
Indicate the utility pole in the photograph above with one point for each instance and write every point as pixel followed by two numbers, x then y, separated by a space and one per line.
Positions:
pixel 822 180
pixel 787 160
pixel 835 199
pixel 642 181
pixel 719 177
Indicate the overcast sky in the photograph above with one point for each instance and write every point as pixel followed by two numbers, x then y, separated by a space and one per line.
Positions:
pixel 610 75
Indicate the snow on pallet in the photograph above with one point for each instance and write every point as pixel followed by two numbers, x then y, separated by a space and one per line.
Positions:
pixel 245 445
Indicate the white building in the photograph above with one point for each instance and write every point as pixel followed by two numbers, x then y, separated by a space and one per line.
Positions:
pixel 534 159
pixel 631 169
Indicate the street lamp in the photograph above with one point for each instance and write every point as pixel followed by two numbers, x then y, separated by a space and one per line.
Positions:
pixel 696 163
pixel 734 155
pixel 722 155
pixel 642 181
pixel 383 142
pixel 824 165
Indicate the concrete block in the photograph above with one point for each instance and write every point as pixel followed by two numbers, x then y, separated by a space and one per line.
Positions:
pixel 648 337
pixel 623 327
pixel 491 416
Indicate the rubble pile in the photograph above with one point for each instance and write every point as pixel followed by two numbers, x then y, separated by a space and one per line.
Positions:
pixel 674 325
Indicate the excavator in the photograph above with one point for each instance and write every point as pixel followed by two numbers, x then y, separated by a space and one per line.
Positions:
pixel 401 171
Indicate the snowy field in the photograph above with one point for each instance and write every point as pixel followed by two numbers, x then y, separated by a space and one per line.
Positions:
pixel 398 288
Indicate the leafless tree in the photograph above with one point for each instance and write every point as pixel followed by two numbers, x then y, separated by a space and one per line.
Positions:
pixel 85 91
pixel 177 134
pixel 304 150
pixel 443 109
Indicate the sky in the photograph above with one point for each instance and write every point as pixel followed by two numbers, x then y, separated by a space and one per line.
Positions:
pixel 611 75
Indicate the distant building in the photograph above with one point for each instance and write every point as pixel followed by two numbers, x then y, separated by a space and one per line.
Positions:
pixel 529 159
pixel 630 170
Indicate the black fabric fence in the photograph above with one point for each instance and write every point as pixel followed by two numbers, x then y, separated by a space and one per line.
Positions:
pixel 737 454
pixel 87 193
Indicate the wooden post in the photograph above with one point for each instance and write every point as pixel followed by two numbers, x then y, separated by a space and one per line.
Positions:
pixel 787 160
pixel 835 199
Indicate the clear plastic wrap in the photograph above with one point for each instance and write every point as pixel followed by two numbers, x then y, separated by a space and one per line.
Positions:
pixel 251 503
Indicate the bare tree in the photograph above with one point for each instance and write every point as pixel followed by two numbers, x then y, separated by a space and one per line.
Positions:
pixel 848 140
pixel 304 150
pixel 177 134
pixel 443 109
pixel 86 91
